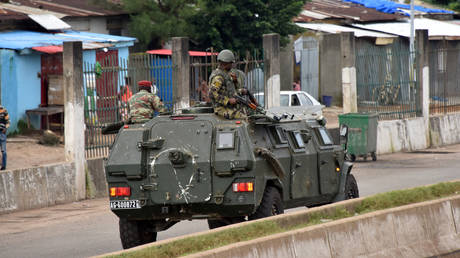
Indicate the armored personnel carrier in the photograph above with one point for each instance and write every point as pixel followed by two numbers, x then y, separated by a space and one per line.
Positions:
pixel 196 165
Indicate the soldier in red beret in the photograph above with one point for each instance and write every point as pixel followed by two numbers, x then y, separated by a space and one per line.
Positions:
pixel 142 105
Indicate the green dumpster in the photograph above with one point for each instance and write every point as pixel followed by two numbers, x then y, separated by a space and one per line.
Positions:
pixel 362 134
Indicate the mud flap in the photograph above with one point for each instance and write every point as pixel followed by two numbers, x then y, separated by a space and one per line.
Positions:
pixel 346 169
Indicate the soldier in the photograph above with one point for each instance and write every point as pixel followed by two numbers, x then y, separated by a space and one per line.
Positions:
pixel 142 105
pixel 4 124
pixel 223 88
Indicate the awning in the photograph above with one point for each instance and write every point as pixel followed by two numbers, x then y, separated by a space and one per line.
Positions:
pixel 49 49
pixel 168 52
pixel 58 49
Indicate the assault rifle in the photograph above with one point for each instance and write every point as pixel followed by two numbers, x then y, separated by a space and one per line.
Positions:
pixel 249 104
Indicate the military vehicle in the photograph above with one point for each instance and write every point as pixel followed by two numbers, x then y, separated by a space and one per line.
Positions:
pixel 196 165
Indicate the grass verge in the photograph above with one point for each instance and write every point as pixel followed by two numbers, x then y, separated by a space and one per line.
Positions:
pixel 256 230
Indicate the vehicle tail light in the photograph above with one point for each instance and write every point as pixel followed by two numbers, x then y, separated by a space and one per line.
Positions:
pixel 120 191
pixel 182 117
pixel 243 187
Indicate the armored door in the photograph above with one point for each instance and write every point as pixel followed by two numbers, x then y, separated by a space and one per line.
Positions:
pixel 327 162
pixel 303 174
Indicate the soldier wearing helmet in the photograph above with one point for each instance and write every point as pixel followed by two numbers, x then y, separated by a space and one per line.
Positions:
pixel 223 88
pixel 142 105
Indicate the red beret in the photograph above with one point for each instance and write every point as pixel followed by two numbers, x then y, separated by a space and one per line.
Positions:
pixel 144 83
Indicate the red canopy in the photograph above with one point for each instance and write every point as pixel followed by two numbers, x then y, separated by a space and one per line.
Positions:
pixel 49 49
pixel 168 52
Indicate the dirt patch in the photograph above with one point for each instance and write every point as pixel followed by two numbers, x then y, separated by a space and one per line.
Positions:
pixel 24 151
pixel 332 116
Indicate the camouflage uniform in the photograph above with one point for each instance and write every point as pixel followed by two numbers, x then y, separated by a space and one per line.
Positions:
pixel 4 124
pixel 222 89
pixel 240 77
pixel 142 106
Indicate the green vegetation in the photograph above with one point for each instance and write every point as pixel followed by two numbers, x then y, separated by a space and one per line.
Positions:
pixel 234 24
pixel 217 239
pixel 450 4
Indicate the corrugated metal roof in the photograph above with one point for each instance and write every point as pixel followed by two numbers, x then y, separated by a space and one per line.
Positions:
pixel 388 6
pixel 331 28
pixel 59 8
pixel 436 29
pixel 27 39
pixel 49 22
pixel 336 9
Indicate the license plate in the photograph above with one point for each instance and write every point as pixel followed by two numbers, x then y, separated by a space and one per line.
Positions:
pixel 131 204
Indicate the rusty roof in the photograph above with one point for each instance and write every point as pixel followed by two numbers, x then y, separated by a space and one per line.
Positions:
pixel 337 10
pixel 59 8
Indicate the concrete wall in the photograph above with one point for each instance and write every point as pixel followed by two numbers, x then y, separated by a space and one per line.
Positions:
pixel 411 134
pixel 330 70
pixel 417 230
pixel 39 187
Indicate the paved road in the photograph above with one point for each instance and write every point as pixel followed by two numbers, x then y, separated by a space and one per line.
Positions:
pixel 88 228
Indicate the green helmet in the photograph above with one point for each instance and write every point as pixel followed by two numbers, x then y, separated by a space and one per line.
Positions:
pixel 226 56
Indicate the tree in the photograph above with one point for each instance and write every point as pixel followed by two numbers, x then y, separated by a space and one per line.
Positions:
pixel 240 24
pixel 154 21
pixel 234 24
pixel 451 4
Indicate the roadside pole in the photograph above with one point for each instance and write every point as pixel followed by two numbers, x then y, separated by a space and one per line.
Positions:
pixel 349 90
pixel 74 123
pixel 271 45
pixel 423 76
pixel 181 73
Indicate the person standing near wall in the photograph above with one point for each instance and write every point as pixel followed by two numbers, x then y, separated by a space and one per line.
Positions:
pixel 4 124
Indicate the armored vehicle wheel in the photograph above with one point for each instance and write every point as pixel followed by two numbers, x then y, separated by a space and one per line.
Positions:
pixel 351 187
pixel 217 223
pixel 374 156
pixel 135 232
pixel 352 157
pixel 271 204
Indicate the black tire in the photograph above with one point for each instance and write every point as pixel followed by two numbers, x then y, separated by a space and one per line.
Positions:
pixel 374 156
pixel 217 223
pixel 271 204
pixel 352 157
pixel 136 232
pixel 351 188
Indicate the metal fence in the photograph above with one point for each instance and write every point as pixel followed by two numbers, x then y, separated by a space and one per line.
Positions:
pixel 444 80
pixel 109 83
pixel 251 63
pixel 386 81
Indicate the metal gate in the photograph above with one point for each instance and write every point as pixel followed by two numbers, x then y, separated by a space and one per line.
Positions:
pixel 386 80
pixel 108 84
pixel 444 78
pixel 308 48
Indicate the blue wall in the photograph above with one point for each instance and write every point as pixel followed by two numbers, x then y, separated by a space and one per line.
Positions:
pixel 20 85
pixel 8 84
pixel 29 85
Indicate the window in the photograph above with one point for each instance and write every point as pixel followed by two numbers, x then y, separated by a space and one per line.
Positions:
pixel 225 140
pixel 325 136
pixel 295 100
pixel 305 100
pixel 278 135
pixel 284 100
pixel 299 140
